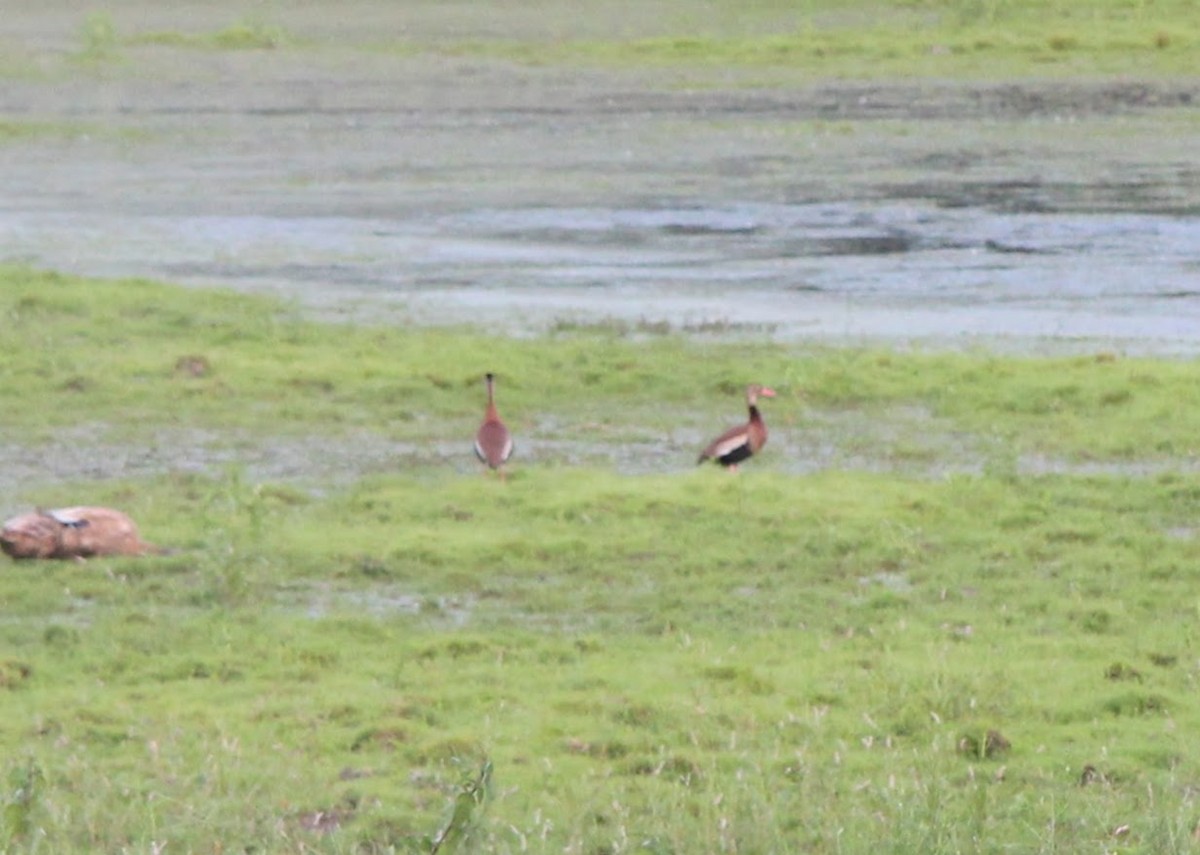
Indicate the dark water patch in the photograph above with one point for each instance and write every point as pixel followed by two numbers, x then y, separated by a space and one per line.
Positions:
pixel 1018 197
pixel 948 161
pixel 1071 98
pixel 1157 195
pixel 1010 249
pixel 705 230
pixel 581 237
pixel 736 220
pixel 886 244
pixel 920 101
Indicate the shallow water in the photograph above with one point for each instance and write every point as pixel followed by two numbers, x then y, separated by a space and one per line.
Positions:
pixel 437 189
pixel 884 272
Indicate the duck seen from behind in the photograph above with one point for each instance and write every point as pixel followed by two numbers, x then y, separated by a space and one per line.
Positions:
pixel 741 442
pixel 493 442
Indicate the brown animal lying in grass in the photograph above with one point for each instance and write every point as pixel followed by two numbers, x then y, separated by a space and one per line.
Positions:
pixel 72 533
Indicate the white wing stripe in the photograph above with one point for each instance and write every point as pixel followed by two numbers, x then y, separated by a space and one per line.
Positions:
pixel 730 444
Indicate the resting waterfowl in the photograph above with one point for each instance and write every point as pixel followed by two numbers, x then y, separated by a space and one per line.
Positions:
pixel 77 533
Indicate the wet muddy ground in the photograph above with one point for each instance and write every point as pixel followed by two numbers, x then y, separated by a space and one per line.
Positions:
pixel 383 186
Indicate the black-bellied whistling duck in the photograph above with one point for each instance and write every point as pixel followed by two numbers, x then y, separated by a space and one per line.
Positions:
pixel 739 443
pixel 493 443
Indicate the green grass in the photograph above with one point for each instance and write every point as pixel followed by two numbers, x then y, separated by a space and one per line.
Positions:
pixel 108 355
pixel 22 131
pixel 775 43
pixel 872 40
pixel 102 41
pixel 245 34
pixel 797 674
pixel 978 52
pixel 575 660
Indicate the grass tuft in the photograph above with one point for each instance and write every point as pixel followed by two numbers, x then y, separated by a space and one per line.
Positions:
pixel 243 34
pixel 99 40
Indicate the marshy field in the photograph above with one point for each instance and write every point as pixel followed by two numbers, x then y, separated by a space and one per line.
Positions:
pixel 252 271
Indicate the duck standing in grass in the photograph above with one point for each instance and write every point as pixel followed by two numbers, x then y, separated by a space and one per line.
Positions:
pixel 741 442
pixel 493 442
